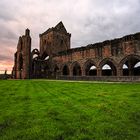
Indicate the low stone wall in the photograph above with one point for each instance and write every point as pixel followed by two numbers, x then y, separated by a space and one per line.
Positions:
pixel 101 78
pixel 4 77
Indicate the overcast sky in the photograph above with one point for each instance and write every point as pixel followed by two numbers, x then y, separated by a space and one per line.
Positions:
pixel 89 21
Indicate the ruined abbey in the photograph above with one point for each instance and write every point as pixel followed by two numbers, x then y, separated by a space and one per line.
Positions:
pixel 55 59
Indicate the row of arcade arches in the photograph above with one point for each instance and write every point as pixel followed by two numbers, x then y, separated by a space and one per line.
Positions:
pixel 129 66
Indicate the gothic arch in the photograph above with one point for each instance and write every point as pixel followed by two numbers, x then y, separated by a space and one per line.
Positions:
pixel 76 69
pixel 108 67
pixel 130 62
pixel 56 68
pixel 90 68
pixel 65 69
pixel 35 52
pixel 44 56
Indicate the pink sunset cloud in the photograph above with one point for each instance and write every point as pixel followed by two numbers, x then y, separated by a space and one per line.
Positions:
pixel 6 65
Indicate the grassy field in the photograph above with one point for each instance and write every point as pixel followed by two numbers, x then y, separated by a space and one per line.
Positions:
pixel 50 110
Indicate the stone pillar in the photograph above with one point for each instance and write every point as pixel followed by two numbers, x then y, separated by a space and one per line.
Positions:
pixel 71 72
pixel 17 59
pixel 130 68
pixel 18 66
pixel 26 49
pixel 130 71
pixel 99 72
pixel 119 72
pixel 83 72
pixel 15 66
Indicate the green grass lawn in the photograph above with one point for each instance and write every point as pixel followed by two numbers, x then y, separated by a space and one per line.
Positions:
pixel 57 110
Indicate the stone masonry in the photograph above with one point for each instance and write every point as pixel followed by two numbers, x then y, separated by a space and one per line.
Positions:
pixel 117 57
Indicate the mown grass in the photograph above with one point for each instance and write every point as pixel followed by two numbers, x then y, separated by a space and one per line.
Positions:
pixel 56 110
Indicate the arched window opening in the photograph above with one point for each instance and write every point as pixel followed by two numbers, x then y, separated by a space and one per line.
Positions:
pixel 137 69
pixel 131 67
pixel 90 70
pixel 47 58
pixel 35 56
pixel 77 70
pixel 56 69
pixel 106 67
pixel 125 66
pixel 93 71
pixel 109 69
pixel 125 70
pixel 65 70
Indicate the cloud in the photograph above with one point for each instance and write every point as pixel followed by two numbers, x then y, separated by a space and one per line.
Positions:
pixel 7 33
pixel 89 21
pixel 4 57
pixel 5 65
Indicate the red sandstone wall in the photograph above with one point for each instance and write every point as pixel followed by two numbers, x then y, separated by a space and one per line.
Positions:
pixel 124 48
